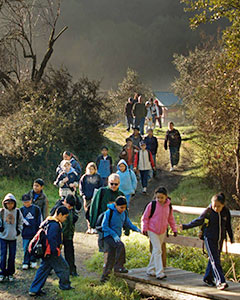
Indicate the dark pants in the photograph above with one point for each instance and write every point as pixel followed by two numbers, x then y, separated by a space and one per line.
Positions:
pixel 60 267
pixel 139 122
pixel 214 269
pixel 27 257
pixel 129 122
pixel 174 155
pixel 114 256
pixel 69 255
pixel 144 178
pixel 8 267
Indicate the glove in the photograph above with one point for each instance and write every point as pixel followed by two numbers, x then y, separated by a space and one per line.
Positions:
pixel 175 234
pixel 117 239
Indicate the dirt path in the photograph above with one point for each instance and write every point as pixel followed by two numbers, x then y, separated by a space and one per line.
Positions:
pixel 86 245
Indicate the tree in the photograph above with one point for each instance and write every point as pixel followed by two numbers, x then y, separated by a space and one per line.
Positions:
pixel 130 85
pixel 22 22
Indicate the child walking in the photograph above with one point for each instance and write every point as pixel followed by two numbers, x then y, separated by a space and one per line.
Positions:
pixel 67 180
pixel 128 180
pixel 144 163
pixel 114 219
pixel 89 182
pixel 10 227
pixel 104 165
pixel 216 221
pixel 32 219
pixel 154 224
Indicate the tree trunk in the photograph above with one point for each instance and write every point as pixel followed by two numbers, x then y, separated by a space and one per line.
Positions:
pixel 237 157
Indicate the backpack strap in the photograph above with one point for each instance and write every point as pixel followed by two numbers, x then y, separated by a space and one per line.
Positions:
pixel 153 208
pixel 17 221
pixel 110 217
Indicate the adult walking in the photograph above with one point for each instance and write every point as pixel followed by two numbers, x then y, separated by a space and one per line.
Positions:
pixel 152 145
pixel 128 113
pixel 173 141
pixel 140 112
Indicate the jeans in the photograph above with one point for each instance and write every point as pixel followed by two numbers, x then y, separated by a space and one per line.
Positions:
pixel 115 255
pixel 155 266
pixel 128 197
pixel 60 267
pixel 174 155
pixel 214 268
pixel 139 122
pixel 144 177
pixel 6 246
pixel 27 257
pixel 69 255
pixel 129 122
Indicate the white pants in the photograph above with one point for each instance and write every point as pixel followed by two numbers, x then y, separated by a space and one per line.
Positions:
pixel 155 266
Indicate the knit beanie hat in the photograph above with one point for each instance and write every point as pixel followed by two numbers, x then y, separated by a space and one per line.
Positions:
pixel 121 200
pixel 26 197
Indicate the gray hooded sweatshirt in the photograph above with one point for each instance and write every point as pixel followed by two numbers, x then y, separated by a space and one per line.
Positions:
pixel 9 222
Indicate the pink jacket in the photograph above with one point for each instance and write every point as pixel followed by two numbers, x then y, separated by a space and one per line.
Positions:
pixel 160 219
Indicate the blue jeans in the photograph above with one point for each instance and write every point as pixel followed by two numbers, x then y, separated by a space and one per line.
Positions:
pixel 5 247
pixel 60 267
pixel 174 155
pixel 214 268
pixel 27 257
pixel 128 197
pixel 144 177
pixel 139 122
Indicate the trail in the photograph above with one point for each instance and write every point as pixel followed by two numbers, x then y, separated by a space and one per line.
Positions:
pixel 86 245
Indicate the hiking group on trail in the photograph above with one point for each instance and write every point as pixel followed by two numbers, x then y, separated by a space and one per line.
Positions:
pixel 106 198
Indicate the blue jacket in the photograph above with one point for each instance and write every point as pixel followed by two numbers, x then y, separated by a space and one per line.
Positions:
pixel 76 166
pixel 72 177
pixel 128 180
pixel 32 219
pixel 54 235
pixel 87 185
pixel 218 224
pixel 104 166
pixel 117 222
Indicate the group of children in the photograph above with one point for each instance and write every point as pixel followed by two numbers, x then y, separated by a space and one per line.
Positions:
pixel 105 195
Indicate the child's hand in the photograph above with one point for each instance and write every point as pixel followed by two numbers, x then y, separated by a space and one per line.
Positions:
pixel 145 233
pixel 180 227
pixel 65 179
pixel 72 185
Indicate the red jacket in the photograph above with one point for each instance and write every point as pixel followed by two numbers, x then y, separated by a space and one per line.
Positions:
pixel 137 158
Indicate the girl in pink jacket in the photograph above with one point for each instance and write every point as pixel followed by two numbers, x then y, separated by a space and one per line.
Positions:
pixel 157 215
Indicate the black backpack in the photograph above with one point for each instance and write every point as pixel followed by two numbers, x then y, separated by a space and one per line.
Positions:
pixel 153 208
pixel 100 220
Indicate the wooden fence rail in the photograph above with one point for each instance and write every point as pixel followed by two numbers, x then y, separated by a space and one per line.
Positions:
pixel 194 241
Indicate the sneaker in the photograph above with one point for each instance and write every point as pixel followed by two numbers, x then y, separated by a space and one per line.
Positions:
pixel 94 231
pixel 161 277
pixel 151 274
pixel 67 289
pixel 24 266
pixel 10 278
pixel 32 294
pixel 209 282
pixel 74 274
pixel 222 286
pixel 121 270
pixel 104 278
pixel 33 265
pixel 171 169
pixel 2 277
pixel 144 190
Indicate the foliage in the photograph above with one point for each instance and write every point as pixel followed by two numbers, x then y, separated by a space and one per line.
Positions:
pixel 130 85
pixel 57 115
pixel 210 92
pixel 213 10
pixel 87 288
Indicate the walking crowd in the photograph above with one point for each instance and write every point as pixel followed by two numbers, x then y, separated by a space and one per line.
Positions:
pixel 106 198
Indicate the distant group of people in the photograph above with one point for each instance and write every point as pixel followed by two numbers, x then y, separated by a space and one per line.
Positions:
pixel 137 113
pixel 106 197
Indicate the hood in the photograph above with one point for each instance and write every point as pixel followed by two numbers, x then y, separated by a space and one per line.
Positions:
pixel 111 206
pixel 122 161
pixel 9 196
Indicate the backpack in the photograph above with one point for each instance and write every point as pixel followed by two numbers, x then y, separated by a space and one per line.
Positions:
pixel 2 221
pixel 38 245
pixel 100 220
pixel 153 208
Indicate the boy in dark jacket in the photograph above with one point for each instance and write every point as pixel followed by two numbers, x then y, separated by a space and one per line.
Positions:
pixel 128 112
pixel 104 165
pixel 68 229
pixel 38 197
pixel 152 144
pixel 173 141
pixel 136 137
pixel 53 258
pixel 32 219
pixel 112 226
pixel 10 227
